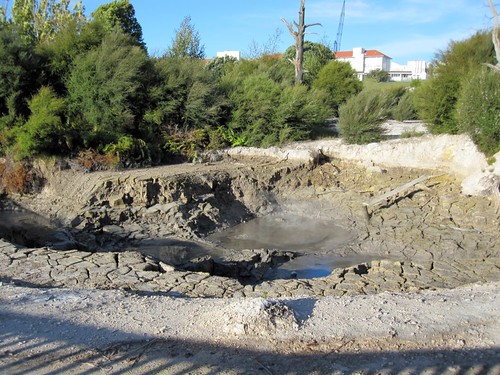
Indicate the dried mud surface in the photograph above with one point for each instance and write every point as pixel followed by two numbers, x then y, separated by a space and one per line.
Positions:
pixel 95 301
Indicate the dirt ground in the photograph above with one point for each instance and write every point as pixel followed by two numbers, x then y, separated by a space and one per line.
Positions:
pixel 47 331
pixel 113 330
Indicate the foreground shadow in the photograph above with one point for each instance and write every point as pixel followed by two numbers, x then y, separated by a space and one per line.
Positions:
pixel 42 345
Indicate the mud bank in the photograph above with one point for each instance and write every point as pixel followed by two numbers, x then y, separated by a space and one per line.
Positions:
pixel 82 290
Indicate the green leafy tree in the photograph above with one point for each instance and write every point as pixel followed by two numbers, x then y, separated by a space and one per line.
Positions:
pixel 436 99
pixel 121 14
pixel 316 56
pixel 340 81
pixel 3 14
pixel 40 20
pixel 105 88
pixel 72 40
pixel 266 112
pixel 184 96
pixel 19 73
pixel 220 65
pixel 479 110
pixel 44 130
pixel 187 42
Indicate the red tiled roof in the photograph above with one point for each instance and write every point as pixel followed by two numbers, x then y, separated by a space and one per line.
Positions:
pixel 343 54
pixel 374 53
pixel 368 53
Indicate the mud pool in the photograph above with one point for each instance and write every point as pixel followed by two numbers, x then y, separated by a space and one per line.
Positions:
pixel 314 242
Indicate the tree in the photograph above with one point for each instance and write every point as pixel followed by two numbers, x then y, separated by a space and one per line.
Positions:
pixel 4 9
pixel 105 88
pixel 298 36
pixel 187 42
pixel 436 98
pixel 121 14
pixel 340 81
pixel 495 37
pixel 315 57
pixel 479 110
pixel 183 96
pixel 266 112
pixel 19 73
pixel 43 132
pixel 40 20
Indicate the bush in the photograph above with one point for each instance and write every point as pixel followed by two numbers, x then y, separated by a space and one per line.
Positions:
pixel 43 132
pixel 405 108
pixel 13 176
pixel 91 160
pixel 362 116
pixel 129 151
pixel 186 145
pixel 340 81
pixel 379 75
pixel 105 91
pixel 436 98
pixel 267 113
pixel 479 110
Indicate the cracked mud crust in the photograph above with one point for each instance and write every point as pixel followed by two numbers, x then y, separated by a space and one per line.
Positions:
pixel 95 301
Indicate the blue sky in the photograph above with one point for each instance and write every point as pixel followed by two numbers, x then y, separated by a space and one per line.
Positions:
pixel 402 29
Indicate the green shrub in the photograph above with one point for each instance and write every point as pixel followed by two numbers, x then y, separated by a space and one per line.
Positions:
pixel 379 75
pixel 362 116
pixel 268 113
pixel 405 108
pixel 105 91
pixel 186 145
pixel 479 110
pixel 129 151
pixel 437 97
pixel 340 81
pixel 44 131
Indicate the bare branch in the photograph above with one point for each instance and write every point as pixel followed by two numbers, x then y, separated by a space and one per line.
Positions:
pixel 290 27
pixel 298 36
pixel 312 24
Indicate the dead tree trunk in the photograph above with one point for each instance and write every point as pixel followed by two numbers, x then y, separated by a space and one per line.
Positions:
pixel 495 37
pixel 298 36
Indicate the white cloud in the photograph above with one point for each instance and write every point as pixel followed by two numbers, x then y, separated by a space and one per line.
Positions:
pixel 418 46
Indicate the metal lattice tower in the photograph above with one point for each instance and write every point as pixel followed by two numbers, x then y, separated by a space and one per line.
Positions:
pixel 338 41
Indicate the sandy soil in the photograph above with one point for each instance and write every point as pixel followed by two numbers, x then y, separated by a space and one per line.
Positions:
pixel 97 331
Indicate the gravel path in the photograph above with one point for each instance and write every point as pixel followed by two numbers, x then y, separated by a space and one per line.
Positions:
pixel 113 332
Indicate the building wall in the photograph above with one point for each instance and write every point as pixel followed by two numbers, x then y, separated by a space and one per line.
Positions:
pixel 364 63
pixel 235 54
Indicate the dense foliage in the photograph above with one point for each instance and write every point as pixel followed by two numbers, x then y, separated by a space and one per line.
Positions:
pixel 437 97
pixel 361 117
pixel 340 82
pixel 479 110
pixel 86 88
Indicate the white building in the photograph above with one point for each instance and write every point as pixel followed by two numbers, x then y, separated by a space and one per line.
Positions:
pixel 364 61
pixel 235 54
pixel 416 69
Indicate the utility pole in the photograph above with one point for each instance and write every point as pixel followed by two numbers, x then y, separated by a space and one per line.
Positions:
pixel 298 35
